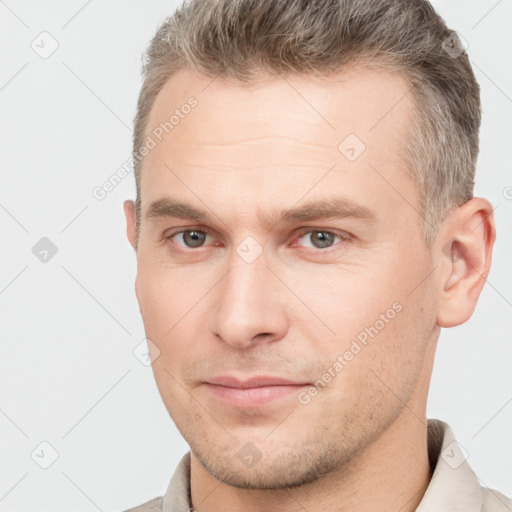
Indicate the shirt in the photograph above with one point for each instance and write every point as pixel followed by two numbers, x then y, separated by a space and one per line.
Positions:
pixel 453 486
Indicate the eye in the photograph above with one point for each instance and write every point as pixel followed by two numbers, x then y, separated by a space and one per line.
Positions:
pixel 320 239
pixel 191 238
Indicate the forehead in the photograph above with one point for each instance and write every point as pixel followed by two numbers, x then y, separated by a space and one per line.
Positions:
pixel 367 100
pixel 280 132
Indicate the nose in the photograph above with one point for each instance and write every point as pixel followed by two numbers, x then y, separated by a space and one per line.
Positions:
pixel 250 305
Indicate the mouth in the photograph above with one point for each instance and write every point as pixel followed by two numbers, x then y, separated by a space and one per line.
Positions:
pixel 253 392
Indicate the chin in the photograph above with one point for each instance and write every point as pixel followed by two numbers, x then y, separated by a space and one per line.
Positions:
pixel 271 472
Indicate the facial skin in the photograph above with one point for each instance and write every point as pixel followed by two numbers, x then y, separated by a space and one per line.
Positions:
pixel 244 155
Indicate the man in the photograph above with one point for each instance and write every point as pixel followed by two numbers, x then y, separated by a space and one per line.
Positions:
pixel 304 226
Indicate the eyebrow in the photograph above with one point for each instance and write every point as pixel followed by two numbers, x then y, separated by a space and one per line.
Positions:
pixel 327 208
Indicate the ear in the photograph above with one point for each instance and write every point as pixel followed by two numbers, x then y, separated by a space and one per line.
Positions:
pixel 463 250
pixel 129 211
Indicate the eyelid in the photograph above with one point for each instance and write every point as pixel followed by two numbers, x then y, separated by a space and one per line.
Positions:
pixel 309 229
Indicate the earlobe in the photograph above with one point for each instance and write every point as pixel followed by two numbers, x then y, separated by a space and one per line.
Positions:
pixel 129 211
pixel 464 251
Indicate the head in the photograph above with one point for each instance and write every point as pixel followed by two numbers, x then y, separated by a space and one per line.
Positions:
pixel 309 215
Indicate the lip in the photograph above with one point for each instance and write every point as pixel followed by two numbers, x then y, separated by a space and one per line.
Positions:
pixel 253 382
pixel 253 392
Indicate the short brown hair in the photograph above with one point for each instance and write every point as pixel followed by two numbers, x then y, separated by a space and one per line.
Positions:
pixel 239 38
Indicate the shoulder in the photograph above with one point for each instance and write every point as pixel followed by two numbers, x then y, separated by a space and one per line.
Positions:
pixel 495 501
pixel 155 505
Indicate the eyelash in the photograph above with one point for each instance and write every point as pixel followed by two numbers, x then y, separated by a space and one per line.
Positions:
pixel 341 235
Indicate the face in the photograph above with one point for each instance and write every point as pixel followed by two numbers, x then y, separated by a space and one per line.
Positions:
pixel 280 238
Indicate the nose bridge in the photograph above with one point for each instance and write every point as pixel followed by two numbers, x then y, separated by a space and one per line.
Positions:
pixel 247 303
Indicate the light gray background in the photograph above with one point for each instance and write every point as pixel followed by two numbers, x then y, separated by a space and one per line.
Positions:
pixel 67 372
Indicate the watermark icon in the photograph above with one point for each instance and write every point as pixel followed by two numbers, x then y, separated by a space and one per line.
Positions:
pixel 454 455
pixel 100 192
pixel 249 455
pixel 357 344
pixel 249 249
pixel 45 45
pixel 351 147
pixel 455 45
pixel 146 352
pixel 507 193
pixel 44 455
pixel 44 250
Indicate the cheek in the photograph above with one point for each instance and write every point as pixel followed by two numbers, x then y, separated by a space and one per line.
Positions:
pixel 158 296
pixel 379 343
pixel 342 304
pixel 170 308
pixel 375 378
